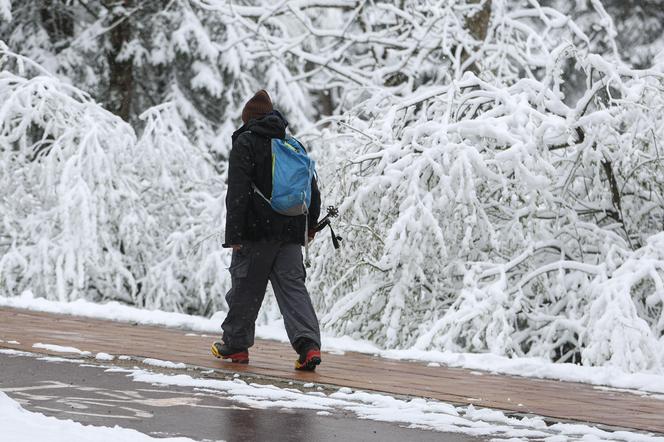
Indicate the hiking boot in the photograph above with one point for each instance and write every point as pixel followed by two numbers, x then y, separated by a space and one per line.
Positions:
pixel 223 351
pixel 309 359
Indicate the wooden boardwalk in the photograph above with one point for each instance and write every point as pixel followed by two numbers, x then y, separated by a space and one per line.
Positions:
pixel 559 400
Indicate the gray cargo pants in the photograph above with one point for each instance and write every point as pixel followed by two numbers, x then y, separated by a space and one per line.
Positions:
pixel 251 267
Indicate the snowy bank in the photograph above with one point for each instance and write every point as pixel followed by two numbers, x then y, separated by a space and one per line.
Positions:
pixel 20 425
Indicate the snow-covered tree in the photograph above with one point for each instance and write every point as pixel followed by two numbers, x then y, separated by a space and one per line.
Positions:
pixel 132 55
pixel 497 163
pixel 637 33
pixel 490 212
pixel 71 213
pixel 91 210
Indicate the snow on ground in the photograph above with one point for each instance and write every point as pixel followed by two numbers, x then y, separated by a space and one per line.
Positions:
pixel 415 413
pixel 56 359
pixel 104 357
pixel 10 352
pixel 163 364
pixel 60 349
pixel 530 367
pixel 20 425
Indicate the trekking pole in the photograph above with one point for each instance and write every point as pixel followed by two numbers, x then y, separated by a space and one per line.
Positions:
pixel 332 212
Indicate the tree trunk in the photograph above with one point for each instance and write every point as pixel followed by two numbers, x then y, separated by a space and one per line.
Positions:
pixel 121 78
pixel 478 26
pixel 478 23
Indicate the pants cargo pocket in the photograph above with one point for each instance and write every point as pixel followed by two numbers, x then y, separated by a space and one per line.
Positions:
pixel 240 263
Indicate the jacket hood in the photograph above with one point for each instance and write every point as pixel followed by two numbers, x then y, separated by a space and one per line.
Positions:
pixel 273 125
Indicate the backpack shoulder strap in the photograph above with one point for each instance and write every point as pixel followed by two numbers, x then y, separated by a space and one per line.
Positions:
pixel 257 190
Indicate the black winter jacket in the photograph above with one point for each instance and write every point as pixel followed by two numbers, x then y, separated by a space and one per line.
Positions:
pixel 248 216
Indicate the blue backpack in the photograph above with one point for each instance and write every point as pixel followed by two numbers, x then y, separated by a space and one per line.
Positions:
pixel 292 171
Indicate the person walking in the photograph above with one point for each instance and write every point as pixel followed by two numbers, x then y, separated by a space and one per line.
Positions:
pixel 266 245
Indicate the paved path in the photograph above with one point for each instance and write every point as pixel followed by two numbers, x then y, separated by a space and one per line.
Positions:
pixel 93 396
pixel 559 400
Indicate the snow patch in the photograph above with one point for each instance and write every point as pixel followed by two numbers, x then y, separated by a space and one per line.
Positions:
pixel 11 352
pixel 417 413
pixel 57 359
pixel 60 349
pixel 163 364
pixel 21 425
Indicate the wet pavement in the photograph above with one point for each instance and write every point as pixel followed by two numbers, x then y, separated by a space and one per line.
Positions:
pixel 91 395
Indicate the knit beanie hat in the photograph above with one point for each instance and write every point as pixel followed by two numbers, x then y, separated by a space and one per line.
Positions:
pixel 257 107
